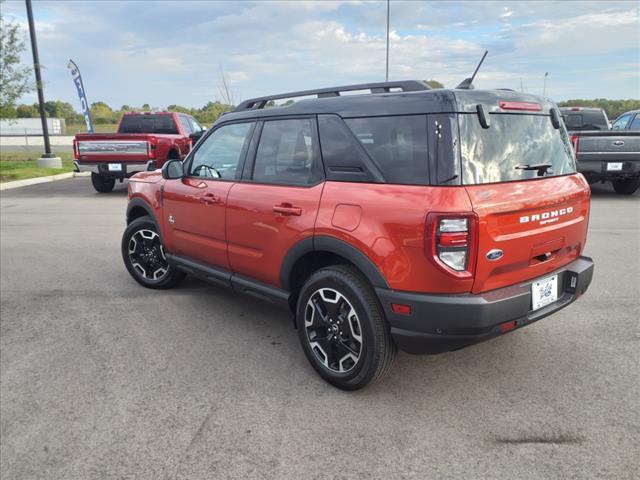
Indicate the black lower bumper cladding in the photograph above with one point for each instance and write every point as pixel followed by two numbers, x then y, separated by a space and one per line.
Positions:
pixel 441 323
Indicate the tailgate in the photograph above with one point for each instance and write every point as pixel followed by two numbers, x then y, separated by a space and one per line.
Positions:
pixel 539 225
pixel 128 149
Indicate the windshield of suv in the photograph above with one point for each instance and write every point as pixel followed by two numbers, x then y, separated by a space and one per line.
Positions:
pixel 513 142
pixel 148 124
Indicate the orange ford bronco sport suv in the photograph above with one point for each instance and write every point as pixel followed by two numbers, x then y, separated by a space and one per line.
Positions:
pixel 425 220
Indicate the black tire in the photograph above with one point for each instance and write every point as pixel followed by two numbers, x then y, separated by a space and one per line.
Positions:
pixel 102 184
pixel 143 255
pixel 627 186
pixel 317 328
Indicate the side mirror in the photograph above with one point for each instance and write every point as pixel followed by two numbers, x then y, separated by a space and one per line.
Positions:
pixel 196 136
pixel 173 170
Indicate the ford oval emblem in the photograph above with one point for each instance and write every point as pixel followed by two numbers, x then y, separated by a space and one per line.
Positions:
pixel 494 254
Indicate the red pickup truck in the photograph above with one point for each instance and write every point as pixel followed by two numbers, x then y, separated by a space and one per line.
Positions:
pixel 144 141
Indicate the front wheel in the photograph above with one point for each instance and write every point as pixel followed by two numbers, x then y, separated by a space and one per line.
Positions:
pixel 144 256
pixel 102 184
pixel 627 186
pixel 342 328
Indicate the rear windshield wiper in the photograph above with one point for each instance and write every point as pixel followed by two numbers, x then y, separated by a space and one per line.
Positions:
pixel 540 167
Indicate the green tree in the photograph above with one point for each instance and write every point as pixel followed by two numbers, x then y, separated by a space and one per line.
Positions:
pixel 434 83
pixel 614 108
pixel 179 109
pixel 15 78
pixel 58 109
pixel 146 107
pixel 102 113
pixel 28 111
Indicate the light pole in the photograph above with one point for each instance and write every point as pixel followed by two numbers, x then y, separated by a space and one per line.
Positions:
pixel 48 159
pixel 544 88
pixel 386 76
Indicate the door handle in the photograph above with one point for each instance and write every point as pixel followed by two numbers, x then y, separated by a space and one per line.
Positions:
pixel 210 199
pixel 287 209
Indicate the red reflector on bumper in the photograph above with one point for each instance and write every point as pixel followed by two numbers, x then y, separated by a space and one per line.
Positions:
pixel 505 327
pixel 401 309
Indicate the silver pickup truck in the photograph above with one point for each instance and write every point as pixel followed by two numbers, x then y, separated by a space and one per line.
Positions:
pixel 611 155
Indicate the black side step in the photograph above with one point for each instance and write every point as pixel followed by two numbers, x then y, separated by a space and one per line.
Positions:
pixel 225 278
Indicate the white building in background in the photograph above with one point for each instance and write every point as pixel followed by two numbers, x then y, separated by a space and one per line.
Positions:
pixel 30 127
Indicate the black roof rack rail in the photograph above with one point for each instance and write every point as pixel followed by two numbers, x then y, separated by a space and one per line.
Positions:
pixel 381 87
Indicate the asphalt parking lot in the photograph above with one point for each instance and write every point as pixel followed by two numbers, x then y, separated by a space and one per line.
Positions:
pixel 101 378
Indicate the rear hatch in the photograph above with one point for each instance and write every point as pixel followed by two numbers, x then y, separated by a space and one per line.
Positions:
pixel 532 218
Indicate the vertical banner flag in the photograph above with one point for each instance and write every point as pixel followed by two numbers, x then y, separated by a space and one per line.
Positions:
pixel 77 79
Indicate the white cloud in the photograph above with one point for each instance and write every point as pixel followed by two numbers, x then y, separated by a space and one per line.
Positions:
pixel 171 52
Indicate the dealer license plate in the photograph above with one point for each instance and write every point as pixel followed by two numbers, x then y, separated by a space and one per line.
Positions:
pixel 544 292
pixel 614 166
pixel 115 167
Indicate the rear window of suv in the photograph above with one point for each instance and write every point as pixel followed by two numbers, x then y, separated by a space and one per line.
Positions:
pixel 513 140
pixel 397 144
pixel 148 124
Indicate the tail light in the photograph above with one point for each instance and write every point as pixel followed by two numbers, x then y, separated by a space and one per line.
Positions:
pixel 152 145
pixel 451 242
pixel 575 141
pixel 76 153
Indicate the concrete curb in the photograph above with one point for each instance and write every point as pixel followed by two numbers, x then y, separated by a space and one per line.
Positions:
pixel 37 180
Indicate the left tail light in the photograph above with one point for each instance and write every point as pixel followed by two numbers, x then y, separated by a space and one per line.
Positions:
pixel 76 154
pixel 451 242
pixel 152 145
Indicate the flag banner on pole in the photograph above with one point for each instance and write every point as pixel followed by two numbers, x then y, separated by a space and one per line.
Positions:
pixel 77 79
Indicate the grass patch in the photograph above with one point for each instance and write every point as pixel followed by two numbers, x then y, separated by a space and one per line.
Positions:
pixel 72 129
pixel 20 166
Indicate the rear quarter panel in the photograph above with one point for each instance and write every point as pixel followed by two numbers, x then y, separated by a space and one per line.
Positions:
pixel 387 224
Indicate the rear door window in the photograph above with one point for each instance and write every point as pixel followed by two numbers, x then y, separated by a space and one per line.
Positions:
pixel 498 153
pixel 397 144
pixel 186 126
pixel 635 124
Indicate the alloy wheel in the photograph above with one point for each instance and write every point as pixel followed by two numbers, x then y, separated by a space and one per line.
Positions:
pixel 333 330
pixel 146 254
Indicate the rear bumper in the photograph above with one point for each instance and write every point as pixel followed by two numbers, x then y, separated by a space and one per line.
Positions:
pixel 597 168
pixel 440 323
pixel 102 168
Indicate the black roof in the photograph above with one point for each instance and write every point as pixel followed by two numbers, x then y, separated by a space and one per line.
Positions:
pixel 391 103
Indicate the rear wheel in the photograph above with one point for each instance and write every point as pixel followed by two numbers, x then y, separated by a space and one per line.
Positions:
pixel 102 184
pixel 342 328
pixel 144 256
pixel 627 186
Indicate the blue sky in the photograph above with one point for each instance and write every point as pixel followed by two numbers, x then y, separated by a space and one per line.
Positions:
pixel 167 52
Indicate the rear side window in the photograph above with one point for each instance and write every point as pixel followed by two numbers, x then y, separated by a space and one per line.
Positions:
pixel 397 144
pixel 288 153
pixel 498 153
pixel 148 124
pixel 635 124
